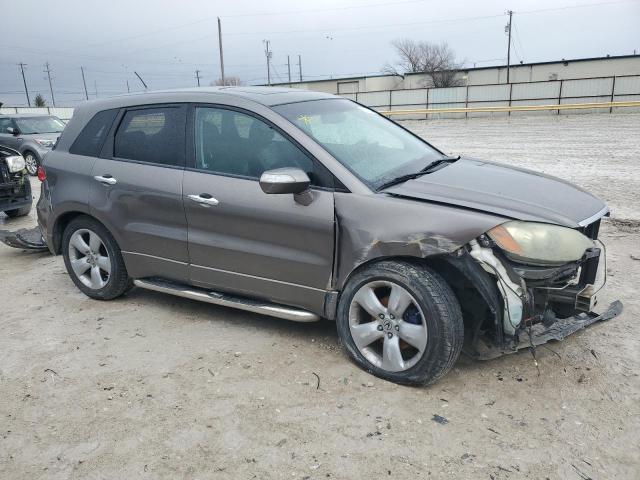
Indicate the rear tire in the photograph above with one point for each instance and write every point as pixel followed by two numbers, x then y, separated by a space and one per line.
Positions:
pixel 426 336
pixel 18 212
pixel 93 259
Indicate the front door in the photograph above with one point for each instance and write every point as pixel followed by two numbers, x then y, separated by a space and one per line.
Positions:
pixel 137 190
pixel 8 139
pixel 242 240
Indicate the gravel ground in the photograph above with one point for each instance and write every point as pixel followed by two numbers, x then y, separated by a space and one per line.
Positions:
pixel 151 386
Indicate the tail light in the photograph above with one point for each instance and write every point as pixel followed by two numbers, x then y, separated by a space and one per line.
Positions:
pixel 42 175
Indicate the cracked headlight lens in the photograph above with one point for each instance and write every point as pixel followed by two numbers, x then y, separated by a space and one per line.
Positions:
pixel 15 163
pixel 540 243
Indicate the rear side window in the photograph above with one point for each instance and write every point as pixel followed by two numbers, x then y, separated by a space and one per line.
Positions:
pixel 153 135
pixel 90 140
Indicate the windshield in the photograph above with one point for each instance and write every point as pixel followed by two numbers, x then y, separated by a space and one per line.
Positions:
pixel 32 125
pixel 374 148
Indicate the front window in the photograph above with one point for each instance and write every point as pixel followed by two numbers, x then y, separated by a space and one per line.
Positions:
pixel 32 125
pixel 371 146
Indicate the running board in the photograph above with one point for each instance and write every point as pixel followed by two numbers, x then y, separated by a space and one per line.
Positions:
pixel 249 305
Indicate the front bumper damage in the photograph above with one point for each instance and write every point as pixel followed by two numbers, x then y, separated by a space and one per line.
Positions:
pixel 527 306
pixel 540 333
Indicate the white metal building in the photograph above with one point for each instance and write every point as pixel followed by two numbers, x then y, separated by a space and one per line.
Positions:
pixel 580 68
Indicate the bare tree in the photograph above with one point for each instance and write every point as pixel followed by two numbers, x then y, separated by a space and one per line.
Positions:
pixel 438 61
pixel 228 81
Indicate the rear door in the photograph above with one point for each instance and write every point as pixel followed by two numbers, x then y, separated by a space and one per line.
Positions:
pixel 243 240
pixel 137 190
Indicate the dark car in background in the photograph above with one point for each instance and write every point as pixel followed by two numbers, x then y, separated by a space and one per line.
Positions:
pixel 32 135
pixel 15 189
pixel 303 205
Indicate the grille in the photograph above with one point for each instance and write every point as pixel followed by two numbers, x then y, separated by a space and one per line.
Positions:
pixel 4 173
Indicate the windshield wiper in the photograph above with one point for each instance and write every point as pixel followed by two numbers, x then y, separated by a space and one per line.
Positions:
pixel 424 171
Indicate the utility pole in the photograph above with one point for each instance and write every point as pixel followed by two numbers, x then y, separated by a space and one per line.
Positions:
pixel 268 54
pixel 220 48
pixel 48 71
pixel 128 90
pixel 289 68
pixel 141 81
pixel 508 31
pixel 26 90
pixel 300 67
pixel 198 76
pixel 86 94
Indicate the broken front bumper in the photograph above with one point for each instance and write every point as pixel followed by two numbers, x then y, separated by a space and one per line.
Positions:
pixel 540 333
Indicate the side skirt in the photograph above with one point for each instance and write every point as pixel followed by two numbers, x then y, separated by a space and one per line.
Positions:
pixel 217 298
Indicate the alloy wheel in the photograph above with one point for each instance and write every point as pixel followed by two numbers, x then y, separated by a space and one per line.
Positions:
pixel 89 259
pixel 387 325
pixel 31 163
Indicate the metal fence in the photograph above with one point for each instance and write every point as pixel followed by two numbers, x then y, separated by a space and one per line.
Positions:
pixel 623 88
pixel 556 92
pixel 63 113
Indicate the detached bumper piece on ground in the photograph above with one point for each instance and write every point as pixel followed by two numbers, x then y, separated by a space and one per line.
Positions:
pixel 29 239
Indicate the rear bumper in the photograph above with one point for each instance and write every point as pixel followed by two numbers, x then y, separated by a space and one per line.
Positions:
pixel 541 333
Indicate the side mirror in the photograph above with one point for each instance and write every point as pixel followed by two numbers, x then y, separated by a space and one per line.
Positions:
pixel 13 131
pixel 284 180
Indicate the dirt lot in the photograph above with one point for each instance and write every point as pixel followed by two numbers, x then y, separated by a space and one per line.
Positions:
pixel 151 386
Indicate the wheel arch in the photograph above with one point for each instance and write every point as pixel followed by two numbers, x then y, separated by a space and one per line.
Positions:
pixel 61 223
pixel 28 149
pixel 476 292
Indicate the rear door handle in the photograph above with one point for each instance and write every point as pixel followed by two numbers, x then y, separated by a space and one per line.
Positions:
pixel 106 179
pixel 204 199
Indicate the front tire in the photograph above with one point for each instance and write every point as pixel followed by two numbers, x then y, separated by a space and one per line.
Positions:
pixel 31 163
pixel 18 212
pixel 401 322
pixel 93 259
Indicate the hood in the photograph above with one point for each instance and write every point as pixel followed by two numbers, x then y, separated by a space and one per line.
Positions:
pixel 509 191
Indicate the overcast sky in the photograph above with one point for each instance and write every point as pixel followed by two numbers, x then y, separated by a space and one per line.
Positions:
pixel 167 40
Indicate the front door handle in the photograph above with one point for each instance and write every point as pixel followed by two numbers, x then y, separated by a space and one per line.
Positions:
pixel 204 199
pixel 106 179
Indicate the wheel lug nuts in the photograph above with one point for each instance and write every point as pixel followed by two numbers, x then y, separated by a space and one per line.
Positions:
pixel 380 327
pixel 381 315
pixel 392 317
pixel 397 328
pixel 389 335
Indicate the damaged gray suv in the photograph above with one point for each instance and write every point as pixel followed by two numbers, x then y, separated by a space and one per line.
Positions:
pixel 303 205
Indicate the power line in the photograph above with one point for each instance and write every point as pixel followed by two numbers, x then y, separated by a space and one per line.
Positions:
pixel 370 27
pixel 570 7
pixel 350 7
pixel 517 37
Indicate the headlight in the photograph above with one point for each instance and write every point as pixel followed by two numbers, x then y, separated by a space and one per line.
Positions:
pixel 15 164
pixel 540 243
pixel 45 142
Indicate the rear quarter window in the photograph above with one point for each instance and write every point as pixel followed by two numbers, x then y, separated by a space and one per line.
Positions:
pixel 92 136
